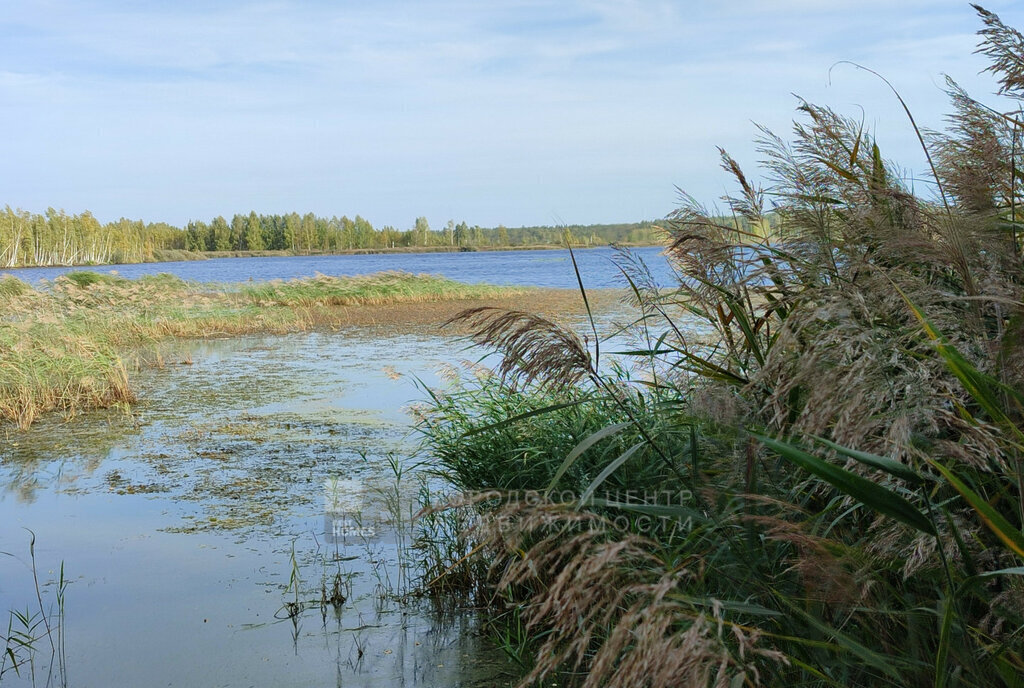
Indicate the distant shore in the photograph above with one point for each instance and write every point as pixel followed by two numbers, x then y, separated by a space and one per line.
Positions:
pixel 409 249
pixel 175 255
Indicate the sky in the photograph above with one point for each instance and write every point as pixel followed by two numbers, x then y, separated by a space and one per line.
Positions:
pixel 516 113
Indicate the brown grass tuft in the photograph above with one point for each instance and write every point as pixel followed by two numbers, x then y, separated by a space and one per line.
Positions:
pixel 608 603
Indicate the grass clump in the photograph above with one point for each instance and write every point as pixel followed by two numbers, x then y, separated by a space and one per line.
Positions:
pixel 12 287
pixel 377 289
pixel 63 347
pixel 86 278
pixel 169 255
pixel 467 434
pixel 43 373
pixel 843 463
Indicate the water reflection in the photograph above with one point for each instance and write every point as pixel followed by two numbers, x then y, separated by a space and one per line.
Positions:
pixel 59 454
pixel 189 527
pixel 249 523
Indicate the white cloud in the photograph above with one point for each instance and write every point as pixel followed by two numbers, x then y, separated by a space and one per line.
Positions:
pixel 489 112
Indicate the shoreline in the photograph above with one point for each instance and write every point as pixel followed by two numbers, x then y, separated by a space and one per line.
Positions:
pixel 67 347
pixel 181 255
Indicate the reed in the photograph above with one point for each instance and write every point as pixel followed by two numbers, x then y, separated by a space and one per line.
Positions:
pixel 377 289
pixel 30 630
pixel 841 464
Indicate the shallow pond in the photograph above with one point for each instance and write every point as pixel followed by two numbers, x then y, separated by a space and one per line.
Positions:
pixel 254 474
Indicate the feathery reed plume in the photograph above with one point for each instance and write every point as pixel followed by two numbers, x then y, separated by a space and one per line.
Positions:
pixel 1004 46
pixel 533 348
pixel 974 156
pixel 855 314
pixel 606 601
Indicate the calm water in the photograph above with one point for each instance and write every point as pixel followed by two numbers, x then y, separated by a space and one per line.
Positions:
pixel 253 469
pixel 531 268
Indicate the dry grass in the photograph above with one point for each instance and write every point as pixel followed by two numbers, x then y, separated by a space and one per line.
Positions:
pixel 610 606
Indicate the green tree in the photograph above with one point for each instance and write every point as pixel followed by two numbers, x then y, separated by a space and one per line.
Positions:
pixel 308 233
pixel 365 237
pixel 422 230
pixel 196 240
pixel 254 233
pixel 221 233
pixel 292 227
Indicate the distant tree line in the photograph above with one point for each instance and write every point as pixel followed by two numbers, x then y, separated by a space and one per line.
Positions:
pixel 56 238
pixel 312 234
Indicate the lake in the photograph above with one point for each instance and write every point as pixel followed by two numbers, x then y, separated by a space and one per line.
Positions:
pixel 549 268
pixel 200 533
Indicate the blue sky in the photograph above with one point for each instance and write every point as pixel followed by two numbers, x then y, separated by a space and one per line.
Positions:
pixel 529 112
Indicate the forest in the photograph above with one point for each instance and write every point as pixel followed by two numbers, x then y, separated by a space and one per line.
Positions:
pixel 57 238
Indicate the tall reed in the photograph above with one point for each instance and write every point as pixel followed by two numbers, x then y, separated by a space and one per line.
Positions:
pixel 829 493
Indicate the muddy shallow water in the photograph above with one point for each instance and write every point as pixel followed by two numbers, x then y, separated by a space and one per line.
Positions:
pixel 258 467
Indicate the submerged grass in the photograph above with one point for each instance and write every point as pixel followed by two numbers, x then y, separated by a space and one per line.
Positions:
pixel 37 626
pixel 64 347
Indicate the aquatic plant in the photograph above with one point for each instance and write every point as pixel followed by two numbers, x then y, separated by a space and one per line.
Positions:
pixel 32 629
pixel 376 289
pixel 843 456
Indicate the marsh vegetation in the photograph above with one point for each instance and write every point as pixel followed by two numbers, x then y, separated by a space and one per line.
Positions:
pixel 210 535
pixel 800 464
pixel 826 493
pixel 69 345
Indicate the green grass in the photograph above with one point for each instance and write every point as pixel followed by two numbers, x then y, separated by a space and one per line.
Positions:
pixel 86 278
pixel 11 287
pixel 381 288
pixel 472 443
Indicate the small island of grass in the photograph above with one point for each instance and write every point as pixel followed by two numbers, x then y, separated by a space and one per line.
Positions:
pixel 65 345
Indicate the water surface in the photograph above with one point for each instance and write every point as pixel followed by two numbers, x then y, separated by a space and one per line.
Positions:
pixel 549 268
pixel 181 526
pixel 253 473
